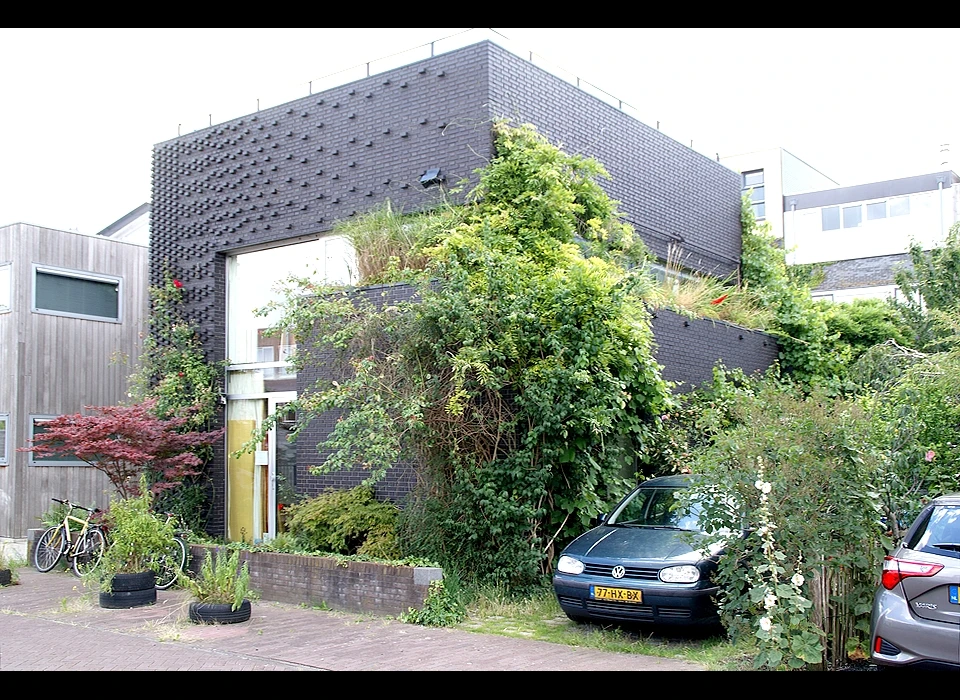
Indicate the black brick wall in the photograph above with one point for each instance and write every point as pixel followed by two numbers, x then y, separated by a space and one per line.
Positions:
pixel 689 348
pixel 293 170
pixel 670 193
pixel 401 479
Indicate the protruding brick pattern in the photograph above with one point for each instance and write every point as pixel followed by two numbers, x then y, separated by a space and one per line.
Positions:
pixel 294 170
pixel 688 348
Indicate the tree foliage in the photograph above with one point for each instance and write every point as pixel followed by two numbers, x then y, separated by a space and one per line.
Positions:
pixel 521 382
pixel 931 286
pixel 173 369
pixel 176 375
pixel 806 352
pixel 822 516
pixel 124 442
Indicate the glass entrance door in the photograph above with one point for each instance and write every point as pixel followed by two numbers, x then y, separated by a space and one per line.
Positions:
pixel 253 476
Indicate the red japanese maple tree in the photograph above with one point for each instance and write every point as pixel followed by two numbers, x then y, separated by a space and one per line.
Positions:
pixel 125 441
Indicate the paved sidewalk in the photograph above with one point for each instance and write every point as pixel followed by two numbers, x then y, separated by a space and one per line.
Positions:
pixel 49 622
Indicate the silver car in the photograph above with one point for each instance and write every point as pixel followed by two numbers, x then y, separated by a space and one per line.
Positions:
pixel 916 610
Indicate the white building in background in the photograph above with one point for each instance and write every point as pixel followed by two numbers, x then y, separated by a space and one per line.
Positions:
pixel 861 233
pixel 770 175
pixel 132 228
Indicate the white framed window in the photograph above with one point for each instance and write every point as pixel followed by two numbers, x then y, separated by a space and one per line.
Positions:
pixel 77 294
pixel 830 218
pixel 753 188
pixel 877 210
pixel 65 459
pixel 6 286
pixel 4 439
pixel 852 216
pixel 900 206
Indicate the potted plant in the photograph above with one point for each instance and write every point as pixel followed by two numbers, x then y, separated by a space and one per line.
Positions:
pixel 222 589
pixel 8 571
pixel 138 540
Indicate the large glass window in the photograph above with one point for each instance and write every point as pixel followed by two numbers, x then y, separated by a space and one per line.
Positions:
pixel 63 459
pixel 753 188
pixel 852 216
pixel 831 218
pixel 5 286
pixel 900 206
pixel 75 293
pixel 876 210
pixel 254 280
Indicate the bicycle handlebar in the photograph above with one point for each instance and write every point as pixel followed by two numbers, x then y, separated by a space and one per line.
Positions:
pixel 74 505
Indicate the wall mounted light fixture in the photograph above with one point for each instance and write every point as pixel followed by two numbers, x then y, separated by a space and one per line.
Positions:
pixel 433 176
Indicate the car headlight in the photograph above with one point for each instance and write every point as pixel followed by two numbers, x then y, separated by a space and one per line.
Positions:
pixel 680 574
pixel 569 565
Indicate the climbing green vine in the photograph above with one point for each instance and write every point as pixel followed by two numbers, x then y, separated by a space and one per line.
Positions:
pixel 521 382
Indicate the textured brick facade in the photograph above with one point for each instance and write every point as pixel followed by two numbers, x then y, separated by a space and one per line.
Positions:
pixel 354 586
pixel 877 271
pixel 689 348
pixel 291 171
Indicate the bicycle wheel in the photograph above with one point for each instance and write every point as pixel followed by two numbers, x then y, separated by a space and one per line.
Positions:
pixel 172 564
pixel 50 547
pixel 88 558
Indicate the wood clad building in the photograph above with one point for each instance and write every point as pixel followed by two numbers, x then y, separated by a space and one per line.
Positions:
pixel 71 312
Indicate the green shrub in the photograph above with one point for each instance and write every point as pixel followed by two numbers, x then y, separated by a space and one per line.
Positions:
pixel 442 608
pixel 222 579
pixel 816 514
pixel 346 522
pixel 137 538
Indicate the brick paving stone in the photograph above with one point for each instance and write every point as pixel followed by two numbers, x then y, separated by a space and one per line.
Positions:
pixel 49 622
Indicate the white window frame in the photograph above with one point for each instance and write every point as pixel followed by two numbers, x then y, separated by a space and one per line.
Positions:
pixel 5 441
pixel 6 308
pixel 898 200
pixel 77 274
pixel 32 459
pixel 843 215
pixel 873 204
pixel 747 190
pixel 839 217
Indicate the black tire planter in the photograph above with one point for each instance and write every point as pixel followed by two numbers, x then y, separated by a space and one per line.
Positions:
pixel 219 613
pixel 130 591
pixel 6 577
pixel 133 582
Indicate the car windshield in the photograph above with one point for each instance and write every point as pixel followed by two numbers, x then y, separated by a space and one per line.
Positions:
pixel 655 507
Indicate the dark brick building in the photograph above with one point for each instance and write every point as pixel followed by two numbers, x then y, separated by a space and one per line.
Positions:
pixel 285 175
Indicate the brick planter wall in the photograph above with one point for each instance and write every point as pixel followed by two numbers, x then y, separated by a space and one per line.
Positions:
pixel 352 586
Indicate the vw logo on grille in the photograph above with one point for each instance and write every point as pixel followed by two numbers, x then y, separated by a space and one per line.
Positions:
pixel 618 572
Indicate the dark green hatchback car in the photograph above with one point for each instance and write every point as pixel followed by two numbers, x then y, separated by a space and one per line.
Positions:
pixel 645 563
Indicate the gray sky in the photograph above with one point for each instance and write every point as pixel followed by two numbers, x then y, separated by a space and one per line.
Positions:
pixel 82 108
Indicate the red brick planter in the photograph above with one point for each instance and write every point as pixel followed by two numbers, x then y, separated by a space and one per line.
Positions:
pixel 353 586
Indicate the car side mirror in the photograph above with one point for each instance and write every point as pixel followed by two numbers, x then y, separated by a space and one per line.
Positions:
pixel 600 519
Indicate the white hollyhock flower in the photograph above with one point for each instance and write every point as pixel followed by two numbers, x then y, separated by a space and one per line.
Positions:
pixel 765 624
pixel 769 601
pixel 797 579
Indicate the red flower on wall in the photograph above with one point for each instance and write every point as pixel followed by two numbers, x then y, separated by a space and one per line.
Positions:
pixel 718 300
pixel 178 284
